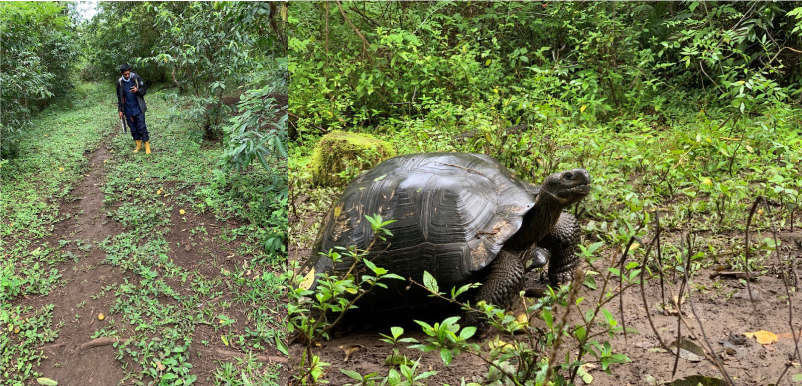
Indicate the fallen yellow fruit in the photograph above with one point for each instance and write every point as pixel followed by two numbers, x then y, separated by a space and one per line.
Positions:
pixel 707 181
pixel 159 191
pixel 16 329
pixel 138 179
pixel 308 280
pixel 100 316
pixel 61 169
pixel 762 336
pixel 181 211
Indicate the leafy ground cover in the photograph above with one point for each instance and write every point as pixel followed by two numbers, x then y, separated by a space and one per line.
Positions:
pixel 122 267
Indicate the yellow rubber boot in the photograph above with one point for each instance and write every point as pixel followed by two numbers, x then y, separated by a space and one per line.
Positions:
pixel 147 147
pixel 138 145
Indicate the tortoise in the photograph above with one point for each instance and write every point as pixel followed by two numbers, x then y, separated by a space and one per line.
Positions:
pixel 463 218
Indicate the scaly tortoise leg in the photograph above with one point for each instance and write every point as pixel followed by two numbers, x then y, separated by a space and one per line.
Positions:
pixel 562 244
pixel 502 285
pixel 560 247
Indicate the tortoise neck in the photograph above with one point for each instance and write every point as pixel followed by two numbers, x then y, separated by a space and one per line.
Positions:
pixel 538 222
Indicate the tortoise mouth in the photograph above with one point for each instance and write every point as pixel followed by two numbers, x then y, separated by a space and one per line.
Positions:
pixel 583 189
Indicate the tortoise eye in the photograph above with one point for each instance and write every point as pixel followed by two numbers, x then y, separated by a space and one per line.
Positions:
pixel 568 176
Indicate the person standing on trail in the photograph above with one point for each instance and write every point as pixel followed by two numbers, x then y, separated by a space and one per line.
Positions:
pixel 130 104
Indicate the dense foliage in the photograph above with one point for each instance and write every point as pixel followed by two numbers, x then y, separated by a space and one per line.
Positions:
pixel 37 55
pixel 370 64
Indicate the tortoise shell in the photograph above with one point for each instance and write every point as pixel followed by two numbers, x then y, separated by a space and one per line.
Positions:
pixel 453 213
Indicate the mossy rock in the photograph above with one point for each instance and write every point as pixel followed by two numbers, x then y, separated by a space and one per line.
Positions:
pixel 341 156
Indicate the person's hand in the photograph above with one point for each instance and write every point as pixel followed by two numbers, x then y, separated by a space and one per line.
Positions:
pixel 134 89
pixel 121 114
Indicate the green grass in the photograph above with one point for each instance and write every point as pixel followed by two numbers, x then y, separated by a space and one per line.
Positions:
pixel 51 163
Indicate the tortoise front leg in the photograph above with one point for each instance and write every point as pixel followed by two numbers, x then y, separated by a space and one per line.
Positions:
pixel 562 244
pixel 502 285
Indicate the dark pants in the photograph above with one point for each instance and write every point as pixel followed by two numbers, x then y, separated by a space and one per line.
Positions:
pixel 137 126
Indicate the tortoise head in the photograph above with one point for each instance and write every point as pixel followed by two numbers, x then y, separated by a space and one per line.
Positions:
pixel 566 187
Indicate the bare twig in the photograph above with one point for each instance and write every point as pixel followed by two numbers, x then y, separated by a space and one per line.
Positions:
pixel 678 304
pixel 785 284
pixel 656 240
pixel 234 354
pixel 366 17
pixel 746 252
pixel 326 4
pixel 659 259
pixel 578 278
pixel 621 282
pixel 781 50
pixel 51 346
pixel 734 152
pixel 103 341
pixel 365 43
pixel 717 362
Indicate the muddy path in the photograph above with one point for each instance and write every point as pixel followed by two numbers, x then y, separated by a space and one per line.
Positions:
pixel 176 285
pixel 75 309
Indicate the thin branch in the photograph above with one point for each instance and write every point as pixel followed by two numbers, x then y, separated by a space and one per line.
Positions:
pixel 781 49
pixel 366 17
pixel 746 252
pixel 698 320
pixel 578 278
pixel 642 285
pixel 785 283
pixel 621 282
pixel 678 304
pixel 365 43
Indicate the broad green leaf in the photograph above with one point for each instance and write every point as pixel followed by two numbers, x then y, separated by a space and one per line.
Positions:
pixel 352 374
pixel 430 282
pixel 446 355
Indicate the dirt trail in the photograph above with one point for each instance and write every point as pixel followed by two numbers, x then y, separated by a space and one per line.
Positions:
pixel 84 277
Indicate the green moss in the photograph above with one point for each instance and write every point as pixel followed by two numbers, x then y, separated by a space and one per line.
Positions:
pixel 341 156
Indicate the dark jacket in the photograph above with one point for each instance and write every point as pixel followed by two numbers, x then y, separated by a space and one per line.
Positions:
pixel 140 92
